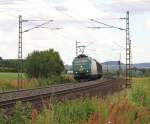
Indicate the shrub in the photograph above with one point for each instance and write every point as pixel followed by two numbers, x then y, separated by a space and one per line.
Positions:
pixel 42 64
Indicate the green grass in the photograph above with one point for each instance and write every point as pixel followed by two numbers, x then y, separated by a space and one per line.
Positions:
pixel 132 106
pixel 69 112
pixel 9 81
pixel 8 76
pixel 140 93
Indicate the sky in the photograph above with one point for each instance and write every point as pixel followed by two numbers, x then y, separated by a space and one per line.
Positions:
pixel 72 18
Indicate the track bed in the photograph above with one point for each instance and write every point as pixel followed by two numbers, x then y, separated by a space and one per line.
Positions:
pixel 61 92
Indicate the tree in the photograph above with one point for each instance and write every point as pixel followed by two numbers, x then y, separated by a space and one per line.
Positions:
pixel 9 65
pixel 43 64
pixel 0 58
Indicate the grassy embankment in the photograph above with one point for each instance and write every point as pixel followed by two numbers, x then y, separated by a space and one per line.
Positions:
pixel 131 106
pixel 8 81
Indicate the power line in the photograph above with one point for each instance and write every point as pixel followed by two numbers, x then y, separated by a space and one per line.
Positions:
pixel 9 14
pixel 70 16
pixel 119 45
pixel 98 27
pixel 18 10
pixel 32 20
pixel 108 26
pixel 38 26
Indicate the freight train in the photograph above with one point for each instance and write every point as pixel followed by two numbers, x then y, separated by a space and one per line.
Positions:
pixel 85 67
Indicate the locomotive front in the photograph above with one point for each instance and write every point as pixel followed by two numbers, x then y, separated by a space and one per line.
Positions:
pixel 81 67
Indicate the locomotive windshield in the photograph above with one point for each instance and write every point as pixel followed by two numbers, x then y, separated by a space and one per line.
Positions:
pixel 79 62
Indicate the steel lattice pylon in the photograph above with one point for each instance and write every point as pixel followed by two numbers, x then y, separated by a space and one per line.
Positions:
pixel 20 62
pixel 128 52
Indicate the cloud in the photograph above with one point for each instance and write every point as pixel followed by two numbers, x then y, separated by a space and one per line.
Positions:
pixel 128 1
pixel 147 24
pixel 70 15
pixel 8 25
pixel 7 2
pixel 119 6
pixel 140 50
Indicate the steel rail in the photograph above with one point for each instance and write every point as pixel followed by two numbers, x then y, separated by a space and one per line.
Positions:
pixel 6 95
pixel 59 91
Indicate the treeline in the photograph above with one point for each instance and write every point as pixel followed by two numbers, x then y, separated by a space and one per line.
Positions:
pixel 141 72
pixel 8 65
pixel 38 64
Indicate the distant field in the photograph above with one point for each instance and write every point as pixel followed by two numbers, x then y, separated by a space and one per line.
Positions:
pixel 8 76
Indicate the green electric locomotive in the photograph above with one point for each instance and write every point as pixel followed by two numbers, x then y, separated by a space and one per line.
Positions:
pixel 85 67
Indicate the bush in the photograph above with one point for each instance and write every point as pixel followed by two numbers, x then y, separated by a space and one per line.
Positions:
pixel 43 64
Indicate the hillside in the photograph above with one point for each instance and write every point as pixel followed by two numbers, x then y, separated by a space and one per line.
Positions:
pixel 114 65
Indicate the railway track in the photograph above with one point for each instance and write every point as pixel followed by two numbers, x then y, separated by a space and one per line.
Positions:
pixel 60 92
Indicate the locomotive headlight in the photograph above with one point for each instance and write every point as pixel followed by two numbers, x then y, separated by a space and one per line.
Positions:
pixel 76 72
pixel 87 71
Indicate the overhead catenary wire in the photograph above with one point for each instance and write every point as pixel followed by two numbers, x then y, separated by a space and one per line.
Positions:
pixel 119 45
pixel 72 18
pixel 33 20
pixel 97 27
pixel 109 26
pixel 19 11
pixel 49 27
pixel 38 26
pixel 9 14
